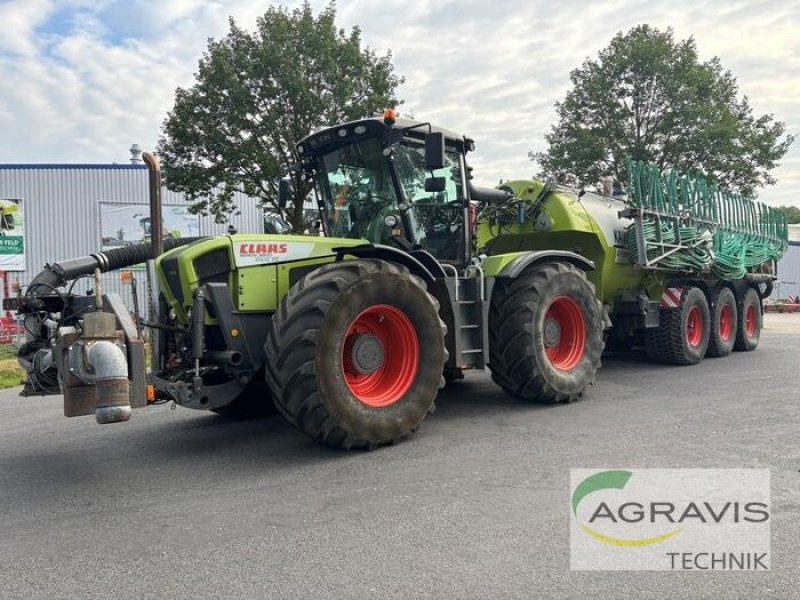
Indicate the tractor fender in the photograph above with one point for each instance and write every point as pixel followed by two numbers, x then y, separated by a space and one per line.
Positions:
pixel 389 254
pixel 528 259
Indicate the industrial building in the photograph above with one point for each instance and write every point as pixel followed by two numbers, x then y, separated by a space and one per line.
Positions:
pixel 57 211
pixel 788 283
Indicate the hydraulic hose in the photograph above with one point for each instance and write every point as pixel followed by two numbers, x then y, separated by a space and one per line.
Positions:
pixel 56 275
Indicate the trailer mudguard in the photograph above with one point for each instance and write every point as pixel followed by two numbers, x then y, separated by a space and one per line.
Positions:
pixel 513 264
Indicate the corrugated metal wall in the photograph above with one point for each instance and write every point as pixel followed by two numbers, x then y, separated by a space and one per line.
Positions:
pixel 788 283
pixel 62 212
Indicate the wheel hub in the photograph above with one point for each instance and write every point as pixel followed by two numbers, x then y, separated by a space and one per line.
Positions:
pixel 367 353
pixel 552 332
pixel 380 355
pixel 564 333
pixel 694 327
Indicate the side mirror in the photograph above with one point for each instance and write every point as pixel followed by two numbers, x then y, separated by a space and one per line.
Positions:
pixel 435 184
pixel 434 151
pixel 283 192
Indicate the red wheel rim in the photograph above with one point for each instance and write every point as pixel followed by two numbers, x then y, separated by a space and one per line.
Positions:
pixel 725 322
pixel 564 333
pixel 694 326
pixel 750 321
pixel 380 355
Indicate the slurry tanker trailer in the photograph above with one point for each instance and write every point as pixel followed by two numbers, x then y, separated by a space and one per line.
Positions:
pixel 419 276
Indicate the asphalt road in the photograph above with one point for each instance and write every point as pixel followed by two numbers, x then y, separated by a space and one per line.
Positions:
pixel 181 504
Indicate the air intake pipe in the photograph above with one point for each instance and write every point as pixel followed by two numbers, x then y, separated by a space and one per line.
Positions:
pixel 58 274
pixel 489 195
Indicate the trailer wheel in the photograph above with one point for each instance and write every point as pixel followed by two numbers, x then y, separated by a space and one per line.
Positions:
pixel 723 323
pixel 546 333
pixel 749 322
pixel 355 353
pixel 682 335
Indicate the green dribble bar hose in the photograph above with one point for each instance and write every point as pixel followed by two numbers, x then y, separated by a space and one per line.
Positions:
pixel 714 230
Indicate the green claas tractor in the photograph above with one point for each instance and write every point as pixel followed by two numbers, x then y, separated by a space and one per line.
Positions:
pixel 419 276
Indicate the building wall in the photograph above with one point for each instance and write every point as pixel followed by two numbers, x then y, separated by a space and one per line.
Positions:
pixel 788 283
pixel 62 213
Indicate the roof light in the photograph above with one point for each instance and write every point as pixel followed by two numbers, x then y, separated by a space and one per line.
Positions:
pixel 359 129
pixel 389 116
pixel 342 133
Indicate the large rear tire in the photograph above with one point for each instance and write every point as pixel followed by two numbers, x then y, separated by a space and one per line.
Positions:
pixel 355 353
pixel 723 323
pixel 682 335
pixel 545 333
pixel 749 322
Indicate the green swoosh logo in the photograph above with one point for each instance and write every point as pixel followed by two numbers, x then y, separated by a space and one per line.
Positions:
pixel 599 481
pixel 610 480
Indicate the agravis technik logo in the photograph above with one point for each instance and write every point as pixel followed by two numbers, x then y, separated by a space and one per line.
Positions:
pixel 715 519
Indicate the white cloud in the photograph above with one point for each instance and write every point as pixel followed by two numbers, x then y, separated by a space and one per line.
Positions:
pixel 20 18
pixel 105 77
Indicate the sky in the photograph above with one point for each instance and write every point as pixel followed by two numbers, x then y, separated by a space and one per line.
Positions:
pixel 81 80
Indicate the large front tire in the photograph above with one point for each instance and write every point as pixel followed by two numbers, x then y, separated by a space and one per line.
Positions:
pixel 546 333
pixel 355 353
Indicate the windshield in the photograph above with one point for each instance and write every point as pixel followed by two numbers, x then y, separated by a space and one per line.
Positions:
pixel 358 190
pixel 360 182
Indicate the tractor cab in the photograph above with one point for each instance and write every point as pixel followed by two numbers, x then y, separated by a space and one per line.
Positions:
pixel 393 181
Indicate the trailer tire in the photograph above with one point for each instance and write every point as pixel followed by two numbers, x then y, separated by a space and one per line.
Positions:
pixel 682 335
pixel 749 322
pixel 545 333
pixel 724 317
pixel 355 353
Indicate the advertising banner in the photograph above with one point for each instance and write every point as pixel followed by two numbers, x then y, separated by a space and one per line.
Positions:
pixel 127 224
pixel 12 235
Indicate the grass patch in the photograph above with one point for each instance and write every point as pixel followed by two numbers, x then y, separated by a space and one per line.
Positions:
pixel 8 351
pixel 11 375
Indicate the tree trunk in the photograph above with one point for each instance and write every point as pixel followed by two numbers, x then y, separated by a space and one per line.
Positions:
pixel 295 216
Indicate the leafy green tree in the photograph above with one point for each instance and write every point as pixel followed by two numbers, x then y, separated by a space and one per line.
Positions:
pixel 257 93
pixel 792 213
pixel 648 95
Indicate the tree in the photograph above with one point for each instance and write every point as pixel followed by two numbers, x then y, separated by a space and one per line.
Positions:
pixel 648 96
pixel 792 213
pixel 257 93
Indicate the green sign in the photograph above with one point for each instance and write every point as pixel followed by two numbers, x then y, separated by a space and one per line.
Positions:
pixel 12 244
pixel 12 235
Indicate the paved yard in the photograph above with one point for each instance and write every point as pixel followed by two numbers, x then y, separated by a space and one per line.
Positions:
pixel 181 504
